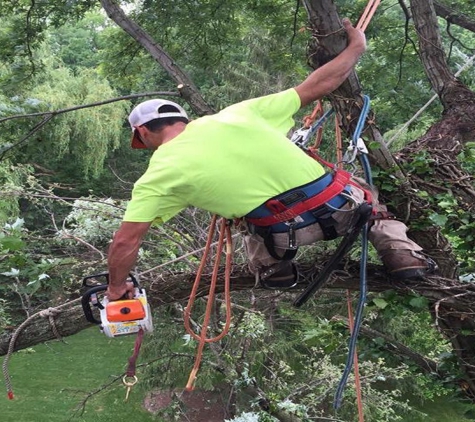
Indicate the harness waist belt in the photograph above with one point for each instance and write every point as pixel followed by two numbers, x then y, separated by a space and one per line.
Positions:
pixel 291 204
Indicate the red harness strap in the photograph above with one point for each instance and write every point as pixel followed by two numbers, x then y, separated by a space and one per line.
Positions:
pixel 367 193
pixel 340 180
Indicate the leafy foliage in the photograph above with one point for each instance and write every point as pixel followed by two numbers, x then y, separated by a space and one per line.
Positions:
pixel 83 137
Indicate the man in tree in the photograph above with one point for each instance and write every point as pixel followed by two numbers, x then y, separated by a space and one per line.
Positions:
pixel 239 163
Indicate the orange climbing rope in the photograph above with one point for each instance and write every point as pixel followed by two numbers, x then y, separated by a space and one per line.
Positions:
pixel 224 235
pixel 367 14
pixel 351 324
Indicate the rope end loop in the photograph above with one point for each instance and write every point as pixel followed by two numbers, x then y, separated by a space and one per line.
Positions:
pixel 10 395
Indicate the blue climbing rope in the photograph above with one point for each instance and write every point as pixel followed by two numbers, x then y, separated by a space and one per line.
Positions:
pixel 356 140
pixel 301 138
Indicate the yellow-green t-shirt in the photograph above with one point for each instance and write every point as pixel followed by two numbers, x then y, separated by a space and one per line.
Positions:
pixel 228 163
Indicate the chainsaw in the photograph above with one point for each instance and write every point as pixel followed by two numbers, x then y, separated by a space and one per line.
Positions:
pixel 118 317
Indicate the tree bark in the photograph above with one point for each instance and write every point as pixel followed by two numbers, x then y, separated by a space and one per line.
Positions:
pixel 454 17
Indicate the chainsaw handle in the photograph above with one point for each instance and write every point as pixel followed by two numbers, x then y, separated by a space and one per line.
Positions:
pixel 93 289
pixel 86 283
pixel 86 302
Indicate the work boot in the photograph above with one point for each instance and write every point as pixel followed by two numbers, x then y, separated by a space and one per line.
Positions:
pixel 403 264
pixel 280 276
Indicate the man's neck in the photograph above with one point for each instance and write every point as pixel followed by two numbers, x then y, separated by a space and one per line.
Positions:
pixel 171 132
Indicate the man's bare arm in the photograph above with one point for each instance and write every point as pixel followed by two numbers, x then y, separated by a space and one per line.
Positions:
pixel 122 255
pixel 331 75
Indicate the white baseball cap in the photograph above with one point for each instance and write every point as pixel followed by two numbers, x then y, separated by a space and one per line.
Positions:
pixel 150 110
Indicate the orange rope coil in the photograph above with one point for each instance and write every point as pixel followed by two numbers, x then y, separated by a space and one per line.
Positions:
pixel 224 234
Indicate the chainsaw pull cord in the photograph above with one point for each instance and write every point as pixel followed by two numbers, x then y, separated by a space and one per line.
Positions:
pixel 130 379
pixel 225 233
pixel 364 259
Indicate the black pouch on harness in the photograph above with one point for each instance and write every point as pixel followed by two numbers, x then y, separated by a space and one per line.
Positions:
pixel 324 217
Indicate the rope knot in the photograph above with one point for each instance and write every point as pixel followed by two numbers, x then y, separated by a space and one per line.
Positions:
pixel 49 312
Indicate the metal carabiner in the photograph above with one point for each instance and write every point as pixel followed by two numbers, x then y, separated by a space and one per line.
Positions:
pixel 349 198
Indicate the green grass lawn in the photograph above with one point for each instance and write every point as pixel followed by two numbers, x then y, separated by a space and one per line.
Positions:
pixel 50 380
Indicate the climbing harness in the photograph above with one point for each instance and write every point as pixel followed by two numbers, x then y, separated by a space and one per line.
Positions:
pixel 119 317
pixel 312 203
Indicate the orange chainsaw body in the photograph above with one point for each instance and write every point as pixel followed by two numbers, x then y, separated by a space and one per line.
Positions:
pixel 125 310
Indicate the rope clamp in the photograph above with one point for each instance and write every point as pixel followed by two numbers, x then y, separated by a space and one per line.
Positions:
pixel 300 136
pixel 353 150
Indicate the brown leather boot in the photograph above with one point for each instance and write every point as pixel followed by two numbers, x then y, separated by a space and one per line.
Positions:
pixel 280 276
pixel 402 264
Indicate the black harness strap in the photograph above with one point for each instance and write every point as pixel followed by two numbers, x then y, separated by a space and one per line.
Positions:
pixel 361 216
pixel 267 235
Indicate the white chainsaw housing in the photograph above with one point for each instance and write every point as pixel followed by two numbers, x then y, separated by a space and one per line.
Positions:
pixel 127 326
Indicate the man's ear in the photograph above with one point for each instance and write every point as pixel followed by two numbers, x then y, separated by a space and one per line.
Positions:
pixel 142 130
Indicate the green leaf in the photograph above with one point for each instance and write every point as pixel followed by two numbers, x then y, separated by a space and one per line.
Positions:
pixel 419 302
pixel 380 303
pixel 440 220
pixel 12 243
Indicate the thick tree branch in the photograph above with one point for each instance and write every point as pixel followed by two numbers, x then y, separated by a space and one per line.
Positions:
pixel 187 88
pixel 452 16
pixel 169 288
